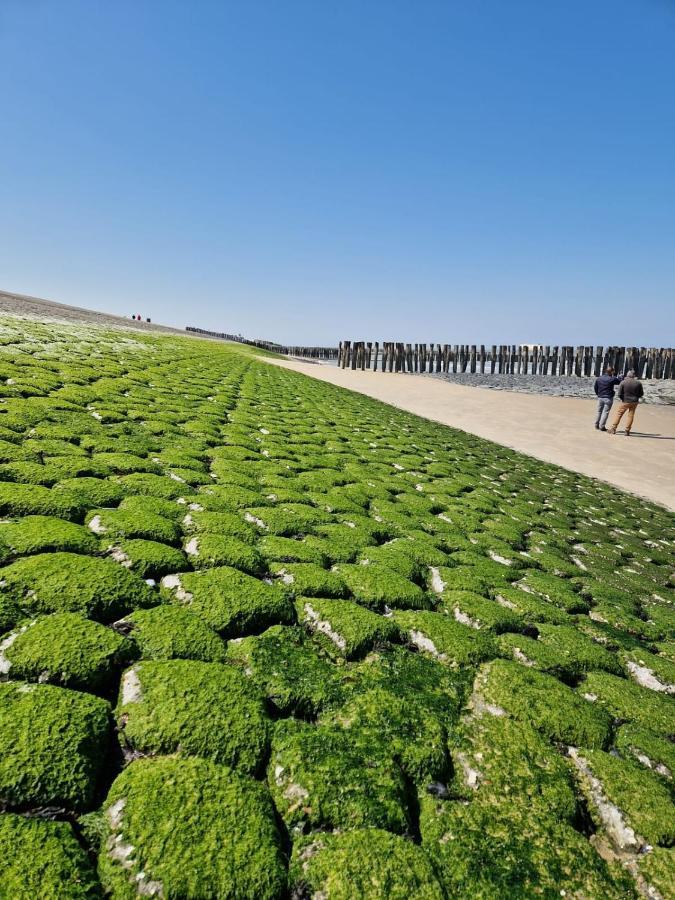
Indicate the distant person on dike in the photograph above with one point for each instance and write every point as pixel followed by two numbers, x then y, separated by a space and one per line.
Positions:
pixel 630 394
pixel 604 390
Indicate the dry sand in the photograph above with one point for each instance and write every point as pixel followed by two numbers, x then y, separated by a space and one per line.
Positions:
pixel 555 429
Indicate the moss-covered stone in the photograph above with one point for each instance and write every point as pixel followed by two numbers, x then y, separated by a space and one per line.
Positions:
pixel 658 869
pixel 650 670
pixel 531 608
pixel 43 859
pixel 65 649
pixel 398 561
pixel 167 509
pixel 649 749
pixel 543 702
pixel 31 499
pixel 282 549
pixel 365 863
pixel 343 628
pixel 310 579
pixel 478 612
pixel 91 492
pixel 582 652
pixel 68 582
pixel 163 487
pixel 643 802
pixel 149 559
pixel 231 602
pixel 445 639
pixel 53 743
pixel 630 702
pixel 113 524
pixel 189 828
pixel 486 851
pixel 327 777
pixel 207 549
pixel 558 591
pixel 223 524
pixel 169 632
pixel 195 708
pixel 38 534
pixel 376 586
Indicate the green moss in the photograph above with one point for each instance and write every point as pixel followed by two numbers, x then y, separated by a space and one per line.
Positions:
pixel 68 650
pixel 208 549
pixel 582 652
pixel 463 578
pixel 377 586
pixel 395 559
pixel 543 702
pixel 28 499
pixel 420 547
pixel 365 863
pixel 532 652
pixel 37 534
pixel 484 852
pixel 138 503
pixel 149 559
pixel 120 523
pixel 531 608
pixel 287 668
pixel 502 761
pixel 67 582
pixel 124 463
pixel 658 869
pixel 644 802
pixel 287 519
pixel 479 612
pixel 169 632
pixel 43 859
pixel 557 591
pixel 343 628
pixel 194 828
pixel 411 734
pixel 52 745
pixel 223 524
pixel 231 602
pixel 311 579
pixel 445 639
pixel 91 492
pixel 327 777
pixel 197 708
pixel 227 497
pixel 164 488
pixel 629 702
pixel 282 549
pixel 649 749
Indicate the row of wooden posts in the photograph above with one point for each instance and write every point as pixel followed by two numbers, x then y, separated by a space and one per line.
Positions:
pixel 288 350
pixel 506 359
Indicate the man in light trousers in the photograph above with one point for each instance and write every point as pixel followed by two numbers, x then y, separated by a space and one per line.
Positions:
pixel 630 394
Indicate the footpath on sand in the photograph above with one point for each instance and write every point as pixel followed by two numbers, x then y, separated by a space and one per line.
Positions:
pixel 554 429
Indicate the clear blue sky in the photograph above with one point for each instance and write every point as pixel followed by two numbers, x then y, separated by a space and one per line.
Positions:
pixel 471 171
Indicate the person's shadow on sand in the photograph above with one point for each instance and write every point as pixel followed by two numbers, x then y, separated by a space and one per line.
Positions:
pixel 656 437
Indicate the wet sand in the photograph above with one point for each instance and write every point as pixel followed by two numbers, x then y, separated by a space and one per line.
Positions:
pixel 554 429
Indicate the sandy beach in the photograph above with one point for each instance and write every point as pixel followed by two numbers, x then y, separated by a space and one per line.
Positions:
pixel 555 429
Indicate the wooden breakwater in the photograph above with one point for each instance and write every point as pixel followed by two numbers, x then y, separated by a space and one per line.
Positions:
pixel 506 359
pixel 287 350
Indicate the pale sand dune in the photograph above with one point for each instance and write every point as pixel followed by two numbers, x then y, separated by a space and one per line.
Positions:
pixel 555 429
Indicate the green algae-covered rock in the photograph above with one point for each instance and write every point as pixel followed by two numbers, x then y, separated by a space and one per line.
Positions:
pixel 649 749
pixel 500 760
pixel 169 632
pixel 630 702
pixel 207 549
pixel 164 488
pixel 543 702
pixel 530 607
pixel 140 503
pixel 658 869
pixel 197 708
pixel 310 579
pixel 38 534
pixel 558 591
pixel 650 670
pixel 283 549
pixel 33 499
pixel 68 582
pixel 53 743
pixel 189 828
pixel 396 560
pixel 43 859
pixel 68 650
pixel 644 803
pixel 445 639
pixel 532 652
pixel 121 523
pixel 411 734
pixel 233 603
pixel 377 586
pixel 327 777
pixel 363 864
pixel 480 613
pixel 482 850
pixel 224 524
pixel 149 559
pixel 343 628
pixel 92 492
pixel 287 668
pixel 582 651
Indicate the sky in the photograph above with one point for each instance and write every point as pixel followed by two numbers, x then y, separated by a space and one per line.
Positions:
pixel 478 171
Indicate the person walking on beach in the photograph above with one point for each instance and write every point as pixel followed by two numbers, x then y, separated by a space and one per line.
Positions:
pixel 630 394
pixel 604 390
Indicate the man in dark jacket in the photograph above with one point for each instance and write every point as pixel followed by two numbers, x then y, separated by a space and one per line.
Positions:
pixel 604 389
pixel 630 394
